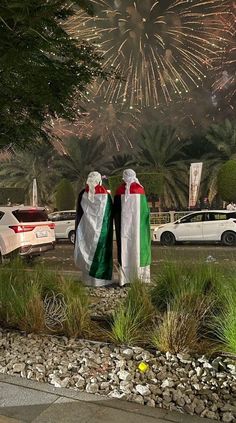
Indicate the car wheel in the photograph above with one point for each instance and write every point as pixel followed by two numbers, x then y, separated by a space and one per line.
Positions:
pixel 167 238
pixel 229 238
pixel 72 237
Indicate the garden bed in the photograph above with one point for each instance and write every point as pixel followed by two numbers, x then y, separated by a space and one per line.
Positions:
pixel 182 328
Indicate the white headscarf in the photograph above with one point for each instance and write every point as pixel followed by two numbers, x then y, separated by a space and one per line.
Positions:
pixel 129 176
pixel 94 179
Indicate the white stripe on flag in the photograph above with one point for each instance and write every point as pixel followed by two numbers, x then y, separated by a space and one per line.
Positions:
pixel 89 230
pixel 130 238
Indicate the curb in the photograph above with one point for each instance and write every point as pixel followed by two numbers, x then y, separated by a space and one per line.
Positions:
pixel 129 407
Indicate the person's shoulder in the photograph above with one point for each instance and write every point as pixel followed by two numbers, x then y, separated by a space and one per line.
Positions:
pixel 121 189
pixel 100 189
pixel 136 188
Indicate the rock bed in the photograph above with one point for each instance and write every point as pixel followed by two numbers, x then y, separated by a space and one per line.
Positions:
pixel 176 382
pixel 104 301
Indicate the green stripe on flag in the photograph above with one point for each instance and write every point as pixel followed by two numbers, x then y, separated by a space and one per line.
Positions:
pixel 101 267
pixel 145 233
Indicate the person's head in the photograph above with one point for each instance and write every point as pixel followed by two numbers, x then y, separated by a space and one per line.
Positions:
pixel 94 179
pixel 129 177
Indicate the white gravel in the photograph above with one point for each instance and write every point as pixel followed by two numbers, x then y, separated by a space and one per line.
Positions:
pixel 189 385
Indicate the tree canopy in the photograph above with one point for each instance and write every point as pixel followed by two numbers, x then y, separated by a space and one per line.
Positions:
pixel 227 181
pixel 42 69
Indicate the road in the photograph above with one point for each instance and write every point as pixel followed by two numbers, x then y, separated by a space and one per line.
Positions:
pixel 62 257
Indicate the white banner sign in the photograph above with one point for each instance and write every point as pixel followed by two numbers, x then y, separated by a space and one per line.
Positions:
pixel 194 183
pixel 35 193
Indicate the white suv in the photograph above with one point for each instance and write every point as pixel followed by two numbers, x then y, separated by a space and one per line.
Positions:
pixel 207 225
pixel 25 231
pixel 64 224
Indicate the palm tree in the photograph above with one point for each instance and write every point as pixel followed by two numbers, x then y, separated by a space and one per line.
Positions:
pixel 81 156
pixel 161 151
pixel 222 138
pixel 118 163
pixel 25 165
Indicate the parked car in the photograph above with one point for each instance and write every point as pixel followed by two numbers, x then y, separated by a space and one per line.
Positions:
pixel 64 224
pixel 25 231
pixel 207 225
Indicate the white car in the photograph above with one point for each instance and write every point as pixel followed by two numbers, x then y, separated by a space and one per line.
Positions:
pixel 64 224
pixel 25 231
pixel 207 225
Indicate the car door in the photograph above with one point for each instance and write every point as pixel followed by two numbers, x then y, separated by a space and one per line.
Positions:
pixel 214 225
pixel 59 220
pixel 69 223
pixel 190 227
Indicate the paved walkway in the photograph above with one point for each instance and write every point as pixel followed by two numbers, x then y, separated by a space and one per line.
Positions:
pixel 24 401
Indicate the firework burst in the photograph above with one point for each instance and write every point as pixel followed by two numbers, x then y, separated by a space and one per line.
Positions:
pixel 161 49
pixel 110 122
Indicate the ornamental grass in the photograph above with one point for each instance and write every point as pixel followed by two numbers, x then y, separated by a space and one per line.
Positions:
pixel 38 300
pixel 132 318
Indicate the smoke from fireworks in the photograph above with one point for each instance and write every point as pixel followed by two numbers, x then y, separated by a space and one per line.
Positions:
pixel 161 49
pixel 226 67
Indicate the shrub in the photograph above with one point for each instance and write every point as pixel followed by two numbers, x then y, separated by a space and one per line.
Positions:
pixel 186 294
pixel 176 280
pixel 15 195
pixel 77 321
pixel 223 324
pixel 131 319
pixel 39 300
pixel 21 304
pixel 227 181
pixel 182 324
pixel 65 197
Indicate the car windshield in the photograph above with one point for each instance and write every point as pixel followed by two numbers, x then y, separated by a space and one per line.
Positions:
pixel 30 215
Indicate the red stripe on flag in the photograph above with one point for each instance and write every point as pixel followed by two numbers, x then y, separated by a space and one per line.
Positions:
pixel 134 189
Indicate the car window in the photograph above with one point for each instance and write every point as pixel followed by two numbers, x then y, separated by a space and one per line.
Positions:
pixel 193 218
pixel 230 215
pixel 218 216
pixel 30 215
pixel 55 218
pixel 71 216
pixel 68 216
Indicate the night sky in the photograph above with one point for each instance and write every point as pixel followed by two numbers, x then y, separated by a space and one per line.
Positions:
pixel 173 62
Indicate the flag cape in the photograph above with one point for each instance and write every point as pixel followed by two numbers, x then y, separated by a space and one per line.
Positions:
pixel 94 237
pixel 132 219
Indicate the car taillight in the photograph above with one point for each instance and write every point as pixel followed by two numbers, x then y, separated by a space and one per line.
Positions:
pixel 51 225
pixel 18 229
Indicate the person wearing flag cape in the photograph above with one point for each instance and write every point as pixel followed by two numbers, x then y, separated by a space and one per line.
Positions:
pixel 94 233
pixel 132 222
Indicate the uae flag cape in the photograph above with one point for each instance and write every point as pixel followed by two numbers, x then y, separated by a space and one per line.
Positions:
pixel 132 220
pixel 94 237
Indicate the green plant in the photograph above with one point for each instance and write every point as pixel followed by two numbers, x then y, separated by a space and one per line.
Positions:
pixel 65 197
pixel 43 68
pixel 77 321
pixel 182 324
pixel 21 303
pixel 223 322
pixel 14 195
pixel 39 300
pixel 130 321
pixel 161 151
pixel 175 280
pixel 227 181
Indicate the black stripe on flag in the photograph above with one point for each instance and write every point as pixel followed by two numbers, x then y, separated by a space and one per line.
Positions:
pixel 117 217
